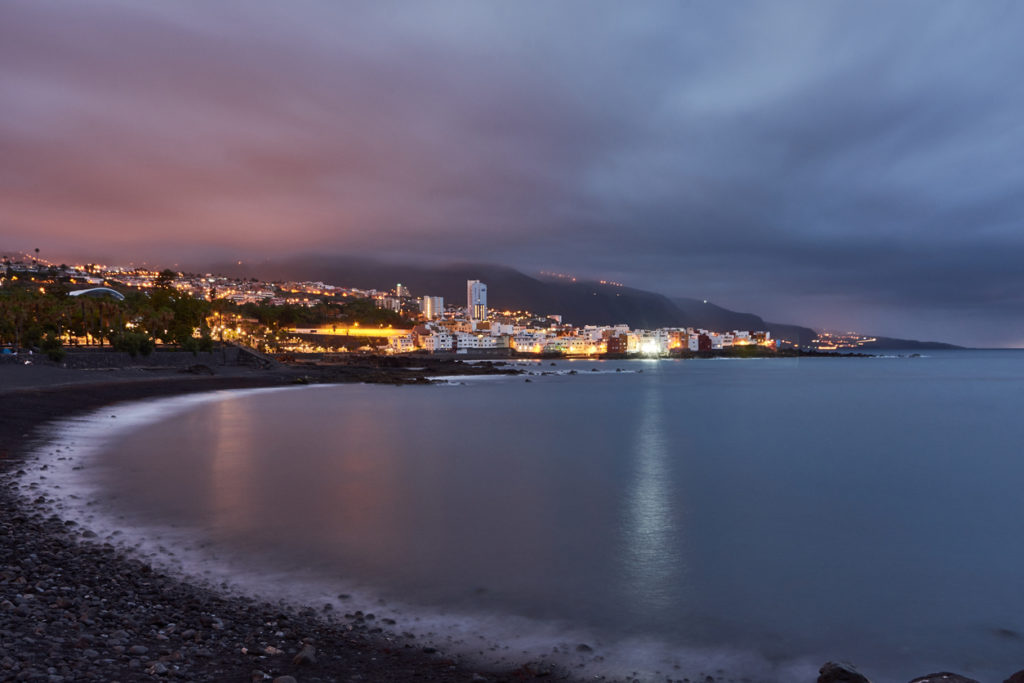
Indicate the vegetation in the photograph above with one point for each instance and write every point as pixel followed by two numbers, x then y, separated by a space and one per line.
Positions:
pixel 36 312
pixel 362 311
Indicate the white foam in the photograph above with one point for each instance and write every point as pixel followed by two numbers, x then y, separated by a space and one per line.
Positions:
pixel 459 379
pixel 58 471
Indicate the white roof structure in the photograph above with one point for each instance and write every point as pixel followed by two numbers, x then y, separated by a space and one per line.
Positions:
pixel 95 292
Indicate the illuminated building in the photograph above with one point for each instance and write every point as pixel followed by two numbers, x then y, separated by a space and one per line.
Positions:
pixel 432 307
pixel 476 300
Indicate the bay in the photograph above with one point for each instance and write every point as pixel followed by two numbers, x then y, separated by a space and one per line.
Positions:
pixel 745 518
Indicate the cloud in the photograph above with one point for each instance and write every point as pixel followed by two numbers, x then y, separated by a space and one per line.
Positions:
pixel 866 154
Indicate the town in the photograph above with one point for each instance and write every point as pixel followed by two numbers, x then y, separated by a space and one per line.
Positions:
pixel 317 317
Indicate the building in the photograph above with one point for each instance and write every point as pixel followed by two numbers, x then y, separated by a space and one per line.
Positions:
pixel 476 300
pixel 401 291
pixel 402 344
pixel 618 343
pixel 432 307
pixel 438 340
pixel 388 303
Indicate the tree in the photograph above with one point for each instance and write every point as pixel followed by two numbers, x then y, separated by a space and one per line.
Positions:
pixel 165 279
pixel 51 346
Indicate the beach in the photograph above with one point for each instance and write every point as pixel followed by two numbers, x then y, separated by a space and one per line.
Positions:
pixel 73 609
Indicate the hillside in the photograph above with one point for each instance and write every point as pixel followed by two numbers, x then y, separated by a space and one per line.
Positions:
pixel 507 288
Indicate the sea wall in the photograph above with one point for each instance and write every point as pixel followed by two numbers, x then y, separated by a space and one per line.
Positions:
pixel 78 359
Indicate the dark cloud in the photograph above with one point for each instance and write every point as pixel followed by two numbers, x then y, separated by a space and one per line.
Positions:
pixel 832 164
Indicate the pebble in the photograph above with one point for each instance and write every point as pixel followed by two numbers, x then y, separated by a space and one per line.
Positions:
pixel 307 655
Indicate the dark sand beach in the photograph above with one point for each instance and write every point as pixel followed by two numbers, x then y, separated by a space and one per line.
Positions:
pixel 74 609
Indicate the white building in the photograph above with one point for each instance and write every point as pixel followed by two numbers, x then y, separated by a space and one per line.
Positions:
pixel 531 342
pixel 476 300
pixel 401 344
pixel 432 307
pixel 466 340
pixel 438 340
pixel 574 346
pixel 650 342
pixel 388 303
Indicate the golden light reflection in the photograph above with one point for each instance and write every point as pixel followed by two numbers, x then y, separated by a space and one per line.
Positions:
pixel 230 464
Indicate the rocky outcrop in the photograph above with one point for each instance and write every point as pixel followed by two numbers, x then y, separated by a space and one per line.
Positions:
pixel 840 672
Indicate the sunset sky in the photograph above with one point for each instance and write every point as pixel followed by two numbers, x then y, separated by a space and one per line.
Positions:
pixel 852 165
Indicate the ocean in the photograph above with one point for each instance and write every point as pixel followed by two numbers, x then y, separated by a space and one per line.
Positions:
pixel 734 518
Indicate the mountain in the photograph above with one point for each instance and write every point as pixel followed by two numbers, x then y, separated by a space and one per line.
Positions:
pixel 708 315
pixel 892 344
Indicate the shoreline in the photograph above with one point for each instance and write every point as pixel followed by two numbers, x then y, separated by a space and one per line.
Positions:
pixel 75 609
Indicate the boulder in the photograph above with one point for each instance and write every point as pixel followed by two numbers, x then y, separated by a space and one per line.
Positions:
pixel 840 672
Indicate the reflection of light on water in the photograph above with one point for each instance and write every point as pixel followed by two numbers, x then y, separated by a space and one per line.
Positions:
pixel 230 454
pixel 651 550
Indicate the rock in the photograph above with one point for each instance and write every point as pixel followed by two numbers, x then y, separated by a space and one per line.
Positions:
pixel 840 672
pixel 583 647
pixel 307 655
pixel 138 649
pixel 285 679
pixel 944 677
pixel 1016 678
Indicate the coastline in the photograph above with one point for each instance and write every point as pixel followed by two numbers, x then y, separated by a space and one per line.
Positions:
pixel 71 609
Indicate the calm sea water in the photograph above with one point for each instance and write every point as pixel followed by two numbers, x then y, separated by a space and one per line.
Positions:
pixel 755 517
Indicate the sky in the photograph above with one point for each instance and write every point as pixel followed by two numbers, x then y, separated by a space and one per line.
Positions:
pixel 844 165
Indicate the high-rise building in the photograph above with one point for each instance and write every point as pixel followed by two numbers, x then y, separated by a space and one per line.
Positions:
pixel 432 307
pixel 476 300
pixel 401 291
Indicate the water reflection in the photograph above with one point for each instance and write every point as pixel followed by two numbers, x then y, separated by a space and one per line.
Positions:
pixel 651 539
pixel 230 464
